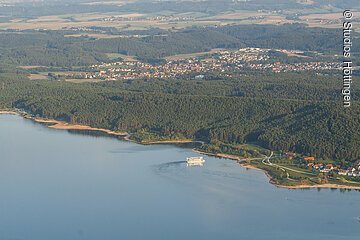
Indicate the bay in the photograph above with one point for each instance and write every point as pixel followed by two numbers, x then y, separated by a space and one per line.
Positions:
pixel 58 185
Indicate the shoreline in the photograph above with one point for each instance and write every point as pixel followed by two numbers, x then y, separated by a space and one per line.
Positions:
pixel 244 163
pixel 221 155
pixel 68 126
pixel 8 112
pixel 126 136
pixel 326 186
pixel 170 142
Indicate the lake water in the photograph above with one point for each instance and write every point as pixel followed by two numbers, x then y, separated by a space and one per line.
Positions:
pixel 64 186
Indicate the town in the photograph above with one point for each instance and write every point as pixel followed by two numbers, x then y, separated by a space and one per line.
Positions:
pixel 225 63
pixel 317 166
pixel 170 18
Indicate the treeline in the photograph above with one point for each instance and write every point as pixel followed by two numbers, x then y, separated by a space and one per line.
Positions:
pixel 52 48
pixel 159 46
pixel 323 129
pixel 288 36
pixel 296 86
pixel 46 8
pixel 45 49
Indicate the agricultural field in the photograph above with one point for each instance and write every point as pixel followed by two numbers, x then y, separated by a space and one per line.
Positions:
pixel 167 20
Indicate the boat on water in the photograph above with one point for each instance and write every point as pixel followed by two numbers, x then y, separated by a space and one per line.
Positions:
pixel 195 161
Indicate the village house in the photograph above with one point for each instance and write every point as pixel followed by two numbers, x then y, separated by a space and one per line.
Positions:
pixel 328 168
pixel 343 172
pixel 309 158
pixel 357 164
pixel 290 155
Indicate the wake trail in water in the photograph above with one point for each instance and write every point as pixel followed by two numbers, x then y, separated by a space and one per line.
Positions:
pixel 165 166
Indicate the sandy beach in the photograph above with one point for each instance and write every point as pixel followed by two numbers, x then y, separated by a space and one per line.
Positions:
pixel 67 126
pixel 171 141
pixel 55 124
pixel 8 112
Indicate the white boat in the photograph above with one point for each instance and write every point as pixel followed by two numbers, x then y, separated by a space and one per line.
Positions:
pixel 195 161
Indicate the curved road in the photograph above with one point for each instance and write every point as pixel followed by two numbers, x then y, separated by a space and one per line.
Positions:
pixel 266 161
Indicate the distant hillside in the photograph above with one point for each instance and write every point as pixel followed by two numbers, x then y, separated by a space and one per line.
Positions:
pixel 51 48
pixel 288 36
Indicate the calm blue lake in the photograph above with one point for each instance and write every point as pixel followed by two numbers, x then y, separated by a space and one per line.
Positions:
pixel 63 186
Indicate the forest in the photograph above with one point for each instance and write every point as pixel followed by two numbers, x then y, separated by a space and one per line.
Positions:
pixel 299 112
pixel 52 48
pixel 309 123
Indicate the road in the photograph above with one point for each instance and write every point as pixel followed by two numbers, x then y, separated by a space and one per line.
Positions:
pixel 266 161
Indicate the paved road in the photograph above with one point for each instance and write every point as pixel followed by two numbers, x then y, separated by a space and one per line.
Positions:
pixel 266 161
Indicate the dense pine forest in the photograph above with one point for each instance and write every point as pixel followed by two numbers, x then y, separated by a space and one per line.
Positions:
pixel 312 123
